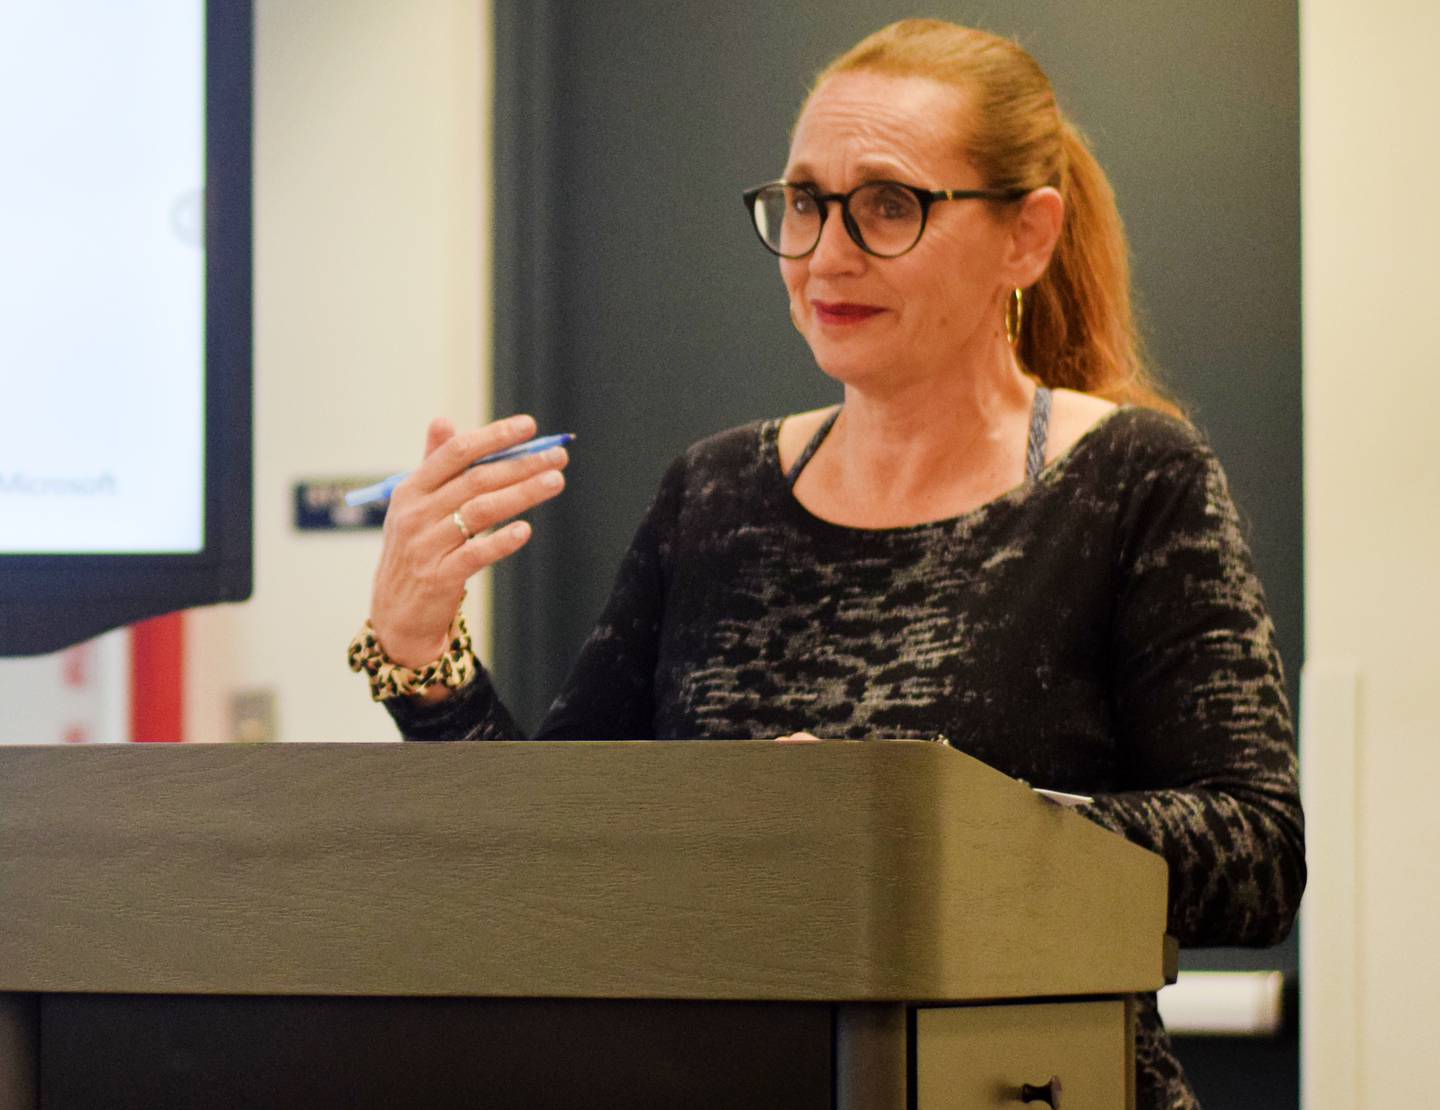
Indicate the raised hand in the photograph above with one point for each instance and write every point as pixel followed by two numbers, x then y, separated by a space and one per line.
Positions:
pixel 443 525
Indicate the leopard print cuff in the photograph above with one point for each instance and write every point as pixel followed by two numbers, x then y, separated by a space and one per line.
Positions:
pixel 388 679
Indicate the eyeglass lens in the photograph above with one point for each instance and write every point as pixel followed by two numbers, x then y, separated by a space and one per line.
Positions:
pixel 885 219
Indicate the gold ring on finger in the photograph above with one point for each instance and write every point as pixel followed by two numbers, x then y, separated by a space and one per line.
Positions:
pixel 460 524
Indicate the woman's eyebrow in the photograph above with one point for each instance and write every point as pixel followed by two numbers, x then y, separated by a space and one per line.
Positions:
pixel 874 169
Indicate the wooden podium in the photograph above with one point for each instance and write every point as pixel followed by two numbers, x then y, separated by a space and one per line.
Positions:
pixel 716 924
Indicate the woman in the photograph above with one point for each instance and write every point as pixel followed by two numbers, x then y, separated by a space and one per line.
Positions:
pixel 1000 538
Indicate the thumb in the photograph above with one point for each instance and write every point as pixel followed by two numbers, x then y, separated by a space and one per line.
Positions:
pixel 437 433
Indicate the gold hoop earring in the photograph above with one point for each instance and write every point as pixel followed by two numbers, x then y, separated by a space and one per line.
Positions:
pixel 1014 316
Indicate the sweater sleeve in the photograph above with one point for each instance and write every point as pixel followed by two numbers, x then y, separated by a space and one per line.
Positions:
pixel 473 713
pixel 609 693
pixel 1201 714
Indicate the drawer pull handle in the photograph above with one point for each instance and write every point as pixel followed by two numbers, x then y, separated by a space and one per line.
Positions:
pixel 1048 1093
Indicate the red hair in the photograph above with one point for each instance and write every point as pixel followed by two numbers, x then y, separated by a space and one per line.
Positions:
pixel 1078 330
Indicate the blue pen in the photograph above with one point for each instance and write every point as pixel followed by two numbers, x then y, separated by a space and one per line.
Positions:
pixel 381 491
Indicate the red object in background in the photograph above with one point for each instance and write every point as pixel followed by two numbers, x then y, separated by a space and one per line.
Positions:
pixel 157 679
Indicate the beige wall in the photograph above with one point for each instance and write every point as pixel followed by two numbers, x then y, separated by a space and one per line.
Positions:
pixel 1371 748
pixel 371 316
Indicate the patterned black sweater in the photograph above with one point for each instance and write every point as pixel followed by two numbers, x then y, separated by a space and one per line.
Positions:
pixel 1098 629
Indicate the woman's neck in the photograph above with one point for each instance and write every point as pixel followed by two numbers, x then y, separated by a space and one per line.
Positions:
pixel 917 440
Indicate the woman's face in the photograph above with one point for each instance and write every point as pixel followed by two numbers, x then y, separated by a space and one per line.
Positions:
pixel 893 320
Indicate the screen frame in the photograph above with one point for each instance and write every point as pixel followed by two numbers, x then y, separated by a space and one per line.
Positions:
pixel 51 601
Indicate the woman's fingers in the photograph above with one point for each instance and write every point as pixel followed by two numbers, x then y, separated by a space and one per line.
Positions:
pixel 486 550
pixel 447 457
pixel 489 509
pixel 471 484
pixel 481 514
pixel 798 738
pixel 431 527
pixel 483 501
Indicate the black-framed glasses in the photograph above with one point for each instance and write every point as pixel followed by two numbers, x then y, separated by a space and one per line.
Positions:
pixel 884 218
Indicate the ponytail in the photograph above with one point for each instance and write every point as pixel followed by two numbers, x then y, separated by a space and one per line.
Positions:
pixel 1079 329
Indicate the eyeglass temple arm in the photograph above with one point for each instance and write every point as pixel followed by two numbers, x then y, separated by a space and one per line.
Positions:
pixel 978 194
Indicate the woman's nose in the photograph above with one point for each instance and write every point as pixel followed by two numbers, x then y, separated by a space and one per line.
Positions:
pixel 836 250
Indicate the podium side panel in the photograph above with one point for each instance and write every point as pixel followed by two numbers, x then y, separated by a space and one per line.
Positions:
pixel 1036 899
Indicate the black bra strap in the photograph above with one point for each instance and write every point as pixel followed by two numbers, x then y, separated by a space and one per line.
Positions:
pixel 811 447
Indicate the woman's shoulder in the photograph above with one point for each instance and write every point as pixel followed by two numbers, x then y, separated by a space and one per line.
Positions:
pixel 1085 427
pixel 727 449
pixel 1138 462
pixel 722 461
pixel 793 433
pixel 719 479
pixel 1073 416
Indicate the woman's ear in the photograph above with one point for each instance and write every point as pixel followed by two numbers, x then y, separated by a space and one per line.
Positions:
pixel 1034 231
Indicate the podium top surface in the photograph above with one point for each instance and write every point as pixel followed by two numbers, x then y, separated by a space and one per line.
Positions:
pixel 846 871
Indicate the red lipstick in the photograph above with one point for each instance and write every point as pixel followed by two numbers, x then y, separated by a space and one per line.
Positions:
pixel 844 312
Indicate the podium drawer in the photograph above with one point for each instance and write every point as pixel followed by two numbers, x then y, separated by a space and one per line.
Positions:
pixel 978 1057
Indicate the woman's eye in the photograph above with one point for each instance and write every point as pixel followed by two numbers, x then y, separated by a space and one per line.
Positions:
pixel 802 203
pixel 893 204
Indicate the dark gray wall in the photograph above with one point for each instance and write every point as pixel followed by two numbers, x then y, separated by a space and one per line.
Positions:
pixel 634 306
